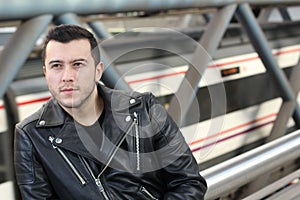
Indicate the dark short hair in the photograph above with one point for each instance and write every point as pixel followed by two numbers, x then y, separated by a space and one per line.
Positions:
pixel 65 33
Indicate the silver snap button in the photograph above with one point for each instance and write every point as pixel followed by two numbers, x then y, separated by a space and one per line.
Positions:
pixel 132 101
pixel 128 118
pixel 58 140
pixel 42 123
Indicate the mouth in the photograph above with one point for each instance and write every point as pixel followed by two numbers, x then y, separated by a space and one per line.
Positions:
pixel 68 90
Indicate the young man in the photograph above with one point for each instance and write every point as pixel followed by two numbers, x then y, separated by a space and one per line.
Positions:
pixel 92 142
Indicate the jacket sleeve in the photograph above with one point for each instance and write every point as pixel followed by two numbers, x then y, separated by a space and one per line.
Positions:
pixel 31 178
pixel 180 170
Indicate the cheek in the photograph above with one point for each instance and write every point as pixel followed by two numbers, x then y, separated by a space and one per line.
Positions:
pixel 52 79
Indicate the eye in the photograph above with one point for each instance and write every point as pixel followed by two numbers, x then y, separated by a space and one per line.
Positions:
pixel 55 66
pixel 78 64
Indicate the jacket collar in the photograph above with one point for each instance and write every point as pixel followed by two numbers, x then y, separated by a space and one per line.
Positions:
pixel 119 102
pixel 66 133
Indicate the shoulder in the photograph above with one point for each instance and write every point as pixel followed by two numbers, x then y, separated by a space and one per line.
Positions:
pixel 31 119
pixel 120 99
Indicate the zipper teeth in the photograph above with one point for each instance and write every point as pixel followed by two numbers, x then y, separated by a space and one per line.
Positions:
pixel 97 180
pixel 101 188
pixel 88 167
pixel 115 150
pixel 70 164
pixel 137 141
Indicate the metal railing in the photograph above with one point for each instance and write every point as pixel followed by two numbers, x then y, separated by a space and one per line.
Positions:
pixel 240 170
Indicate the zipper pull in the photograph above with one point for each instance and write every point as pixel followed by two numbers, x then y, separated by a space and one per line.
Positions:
pixel 101 188
pixel 99 184
pixel 135 118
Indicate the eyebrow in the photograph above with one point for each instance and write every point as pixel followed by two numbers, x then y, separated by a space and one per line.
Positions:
pixel 80 59
pixel 73 61
pixel 54 61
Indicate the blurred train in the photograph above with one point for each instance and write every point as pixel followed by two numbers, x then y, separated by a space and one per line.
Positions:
pixel 252 99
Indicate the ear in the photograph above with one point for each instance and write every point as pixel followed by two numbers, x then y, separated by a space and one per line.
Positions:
pixel 44 70
pixel 99 71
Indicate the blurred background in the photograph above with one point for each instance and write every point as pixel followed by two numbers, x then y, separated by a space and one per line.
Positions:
pixel 226 71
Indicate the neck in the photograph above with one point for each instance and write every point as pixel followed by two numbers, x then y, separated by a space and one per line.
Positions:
pixel 89 112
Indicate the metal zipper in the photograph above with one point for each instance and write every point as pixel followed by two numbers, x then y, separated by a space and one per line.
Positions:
pixel 116 149
pixel 137 141
pixel 145 191
pixel 97 180
pixel 101 188
pixel 70 164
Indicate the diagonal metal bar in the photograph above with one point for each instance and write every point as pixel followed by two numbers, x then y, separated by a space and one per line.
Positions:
pixel 285 14
pixel 260 44
pixel 287 108
pixel 264 15
pixel 209 42
pixel 111 76
pixel 19 47
pixel 100 29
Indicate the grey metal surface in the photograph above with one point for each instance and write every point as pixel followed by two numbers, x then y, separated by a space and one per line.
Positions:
pixel 100 30
pixel 67 18
pixel 19 47
pixel 240 170
pixel 287 108
pixel 10 10
pixel 111 76
pixel 285 14
pixel 278 185
pixel 260 44
pixel 289 193
pixel 185 95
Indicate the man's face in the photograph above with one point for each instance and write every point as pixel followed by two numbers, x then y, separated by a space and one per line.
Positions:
pixel 71 73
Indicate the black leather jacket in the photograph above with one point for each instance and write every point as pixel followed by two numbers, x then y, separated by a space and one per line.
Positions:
pixel 142 155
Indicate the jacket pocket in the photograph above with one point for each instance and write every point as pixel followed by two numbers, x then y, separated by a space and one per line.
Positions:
pixel 146 193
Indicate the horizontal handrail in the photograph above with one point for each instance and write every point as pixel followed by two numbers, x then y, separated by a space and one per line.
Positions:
pixel 275 189
pixel 240 170
pixel 16 10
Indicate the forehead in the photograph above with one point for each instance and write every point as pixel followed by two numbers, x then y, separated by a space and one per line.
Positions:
pixel 72 49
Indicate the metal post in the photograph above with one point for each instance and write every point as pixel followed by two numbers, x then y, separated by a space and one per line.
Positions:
pixel 18 48
pixel 7 146
pixel 260 44
pixel 183 98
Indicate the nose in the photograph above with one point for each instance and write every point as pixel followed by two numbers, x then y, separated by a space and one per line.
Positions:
pixel 68 74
